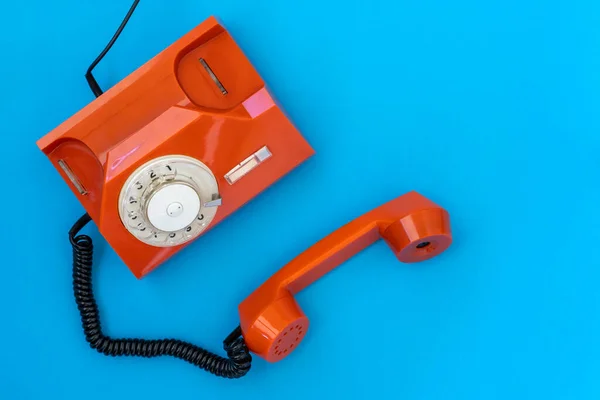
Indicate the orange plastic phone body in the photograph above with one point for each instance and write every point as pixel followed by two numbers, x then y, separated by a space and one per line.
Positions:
pixel 172 105
pixel 271 320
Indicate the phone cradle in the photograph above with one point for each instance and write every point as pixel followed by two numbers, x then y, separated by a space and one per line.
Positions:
pixel 176 147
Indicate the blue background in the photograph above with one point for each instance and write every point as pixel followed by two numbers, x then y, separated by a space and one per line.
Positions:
pixel 490 108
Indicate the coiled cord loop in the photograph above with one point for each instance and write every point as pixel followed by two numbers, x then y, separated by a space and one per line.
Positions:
pixel 236 365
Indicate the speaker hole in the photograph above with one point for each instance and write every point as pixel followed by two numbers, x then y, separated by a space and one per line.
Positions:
pixel 422 245
pixel 285 350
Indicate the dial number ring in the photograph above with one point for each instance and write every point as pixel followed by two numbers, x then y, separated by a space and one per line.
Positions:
pixel 162 174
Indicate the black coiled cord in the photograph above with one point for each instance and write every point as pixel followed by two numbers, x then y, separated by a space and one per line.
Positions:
pixel 236 365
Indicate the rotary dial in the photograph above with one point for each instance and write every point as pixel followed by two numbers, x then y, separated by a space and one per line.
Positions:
pixel 169 200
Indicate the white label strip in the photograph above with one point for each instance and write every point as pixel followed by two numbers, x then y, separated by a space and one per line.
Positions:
pixel 247 165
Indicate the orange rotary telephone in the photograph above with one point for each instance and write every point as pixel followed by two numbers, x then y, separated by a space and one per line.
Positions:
pixel 175 148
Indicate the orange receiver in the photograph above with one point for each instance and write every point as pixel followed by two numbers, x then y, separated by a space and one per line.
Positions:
pixel 273 324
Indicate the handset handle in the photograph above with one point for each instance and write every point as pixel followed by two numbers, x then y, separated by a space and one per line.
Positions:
pixel 415 228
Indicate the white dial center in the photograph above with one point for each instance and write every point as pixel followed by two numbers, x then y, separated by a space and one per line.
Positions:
pixel 173 207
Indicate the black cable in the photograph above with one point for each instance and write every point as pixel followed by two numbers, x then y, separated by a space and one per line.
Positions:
pixel 236 365
pixel 88 75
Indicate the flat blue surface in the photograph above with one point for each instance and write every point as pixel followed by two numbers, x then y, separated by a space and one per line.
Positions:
pixel 490 108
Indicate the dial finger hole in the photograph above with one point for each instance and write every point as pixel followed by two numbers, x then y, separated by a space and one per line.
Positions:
pixel 168 172
pixel 158 237
pixel 174 237
pixel 144 232
pixel 134 219
pixel 189 232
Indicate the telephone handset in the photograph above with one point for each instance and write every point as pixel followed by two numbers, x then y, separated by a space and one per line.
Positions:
pixel 273 324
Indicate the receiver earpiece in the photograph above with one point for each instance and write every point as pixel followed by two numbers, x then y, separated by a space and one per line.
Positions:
pixel 273 324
